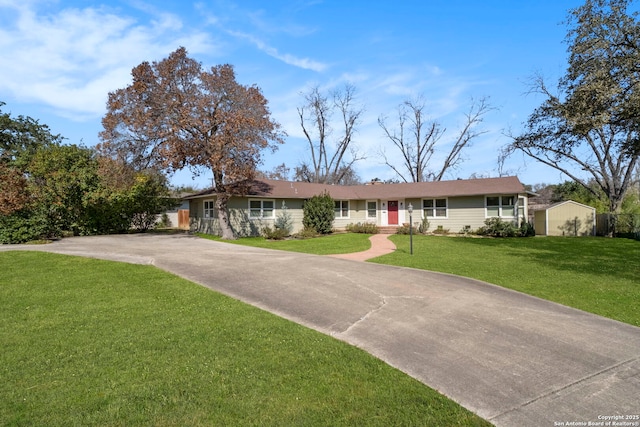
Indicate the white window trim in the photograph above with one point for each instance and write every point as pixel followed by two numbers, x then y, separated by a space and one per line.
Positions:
pixel 204 210
pixel 513 211
pixel 446 208
pixel 368 218
pixel 262 216
pixel 340 210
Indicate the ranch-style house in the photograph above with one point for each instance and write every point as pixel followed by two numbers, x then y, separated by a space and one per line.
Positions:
pixel 456 205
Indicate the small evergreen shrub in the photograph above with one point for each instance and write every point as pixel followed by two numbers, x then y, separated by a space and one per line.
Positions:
pixel 363 227
pixel 527 230
pixel 284 221
pixel 319 213
pixel 423 228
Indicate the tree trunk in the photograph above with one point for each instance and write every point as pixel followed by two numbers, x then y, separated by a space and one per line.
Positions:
pixel 223 217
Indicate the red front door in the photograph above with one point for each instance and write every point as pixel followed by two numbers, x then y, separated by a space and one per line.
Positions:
pixel 393 212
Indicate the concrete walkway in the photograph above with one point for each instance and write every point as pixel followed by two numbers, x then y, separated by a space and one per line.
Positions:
pixel 513 359
pixel 380 245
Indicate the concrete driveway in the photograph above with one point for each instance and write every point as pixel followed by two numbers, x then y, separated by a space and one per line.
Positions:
pixel 515 360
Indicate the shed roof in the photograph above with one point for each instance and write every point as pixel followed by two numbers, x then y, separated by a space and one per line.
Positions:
pixel 305 190
pixel 571 202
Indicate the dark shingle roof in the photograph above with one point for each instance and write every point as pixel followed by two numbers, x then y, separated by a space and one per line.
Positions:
pixel 305 190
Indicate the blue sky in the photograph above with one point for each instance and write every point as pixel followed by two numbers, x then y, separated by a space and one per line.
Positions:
pixel 60 59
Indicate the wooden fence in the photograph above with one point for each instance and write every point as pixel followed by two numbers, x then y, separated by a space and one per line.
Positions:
pixel 618 225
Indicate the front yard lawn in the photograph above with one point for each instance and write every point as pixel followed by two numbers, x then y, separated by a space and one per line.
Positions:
pixel 87 342
pixel 343 243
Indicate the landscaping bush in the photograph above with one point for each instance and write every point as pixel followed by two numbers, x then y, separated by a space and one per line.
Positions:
pixel 306 233
pixel 527 230
pixel 405 229
pixel 275 233
pixel 284 221
pixel 441 230
pixel 495 227
pixel 424 226
pixel 24 226
pixel 319 213
pixel 363 227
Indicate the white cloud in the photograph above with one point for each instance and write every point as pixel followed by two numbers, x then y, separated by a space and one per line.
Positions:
pixel 71 58
pixel 305 63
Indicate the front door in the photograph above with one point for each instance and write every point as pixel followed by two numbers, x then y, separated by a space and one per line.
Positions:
pixel 393 212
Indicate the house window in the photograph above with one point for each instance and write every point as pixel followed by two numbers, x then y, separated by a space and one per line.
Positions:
pixel 209 209
pixel 501 206
pixel 342 208
pixel 521 204
pixel 261 208
pixel 434 208
pixel 372 210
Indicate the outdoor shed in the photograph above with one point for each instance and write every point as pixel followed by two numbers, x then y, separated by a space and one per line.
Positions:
pixel 566 219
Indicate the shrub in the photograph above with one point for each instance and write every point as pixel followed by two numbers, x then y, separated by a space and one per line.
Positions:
pixel 284 221
pixel 405 229
pixel 527 230
pixel 274 233
pixel 319 213
pixel 441 230
pixel 24 226
pixel 363 227
pixel 466 230
pixel 424 226
pixel 306 233
pixel 495 227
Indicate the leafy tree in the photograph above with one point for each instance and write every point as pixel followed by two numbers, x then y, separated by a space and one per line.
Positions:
pixel 126 198
pixel 591 125
pixel 48 189
pixel 417 140
pixel 175 114
pixel 21 137
pixel 60 177
pixel 332 157
pixel 319 213
pixel 22 218
pixel 571 190
pixel 604 67
pixel 13 189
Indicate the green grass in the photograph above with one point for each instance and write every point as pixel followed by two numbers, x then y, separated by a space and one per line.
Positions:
pixel 342 243
pixel 88 342
pixel 597 275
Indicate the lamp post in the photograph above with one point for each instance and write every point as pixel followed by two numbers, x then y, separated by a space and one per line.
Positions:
pixel 410 210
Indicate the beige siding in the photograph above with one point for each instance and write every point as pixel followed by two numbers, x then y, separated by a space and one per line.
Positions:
pixel 239 216
pixel 462 212
pixel 357 213
pixel 540 222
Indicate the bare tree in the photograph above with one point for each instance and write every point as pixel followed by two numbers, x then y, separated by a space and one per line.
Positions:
pixel 282 172
pixel 417 140
pixel 332 156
